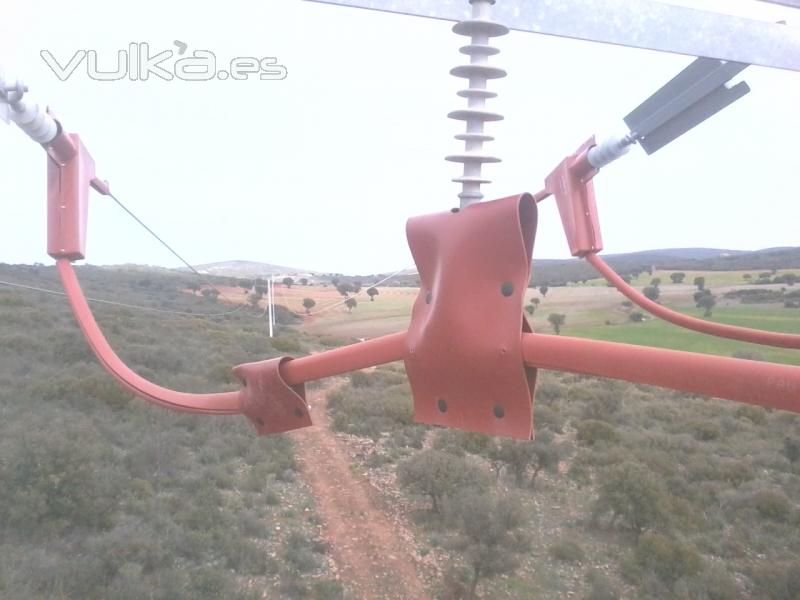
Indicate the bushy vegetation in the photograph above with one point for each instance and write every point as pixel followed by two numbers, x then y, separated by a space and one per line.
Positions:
pixel 104 496
pixel 377 405
pixel 639 493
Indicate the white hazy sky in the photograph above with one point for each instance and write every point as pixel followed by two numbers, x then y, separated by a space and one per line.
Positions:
pixel 320 170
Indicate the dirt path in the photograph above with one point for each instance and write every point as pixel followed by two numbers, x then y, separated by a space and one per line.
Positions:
pixel 370 555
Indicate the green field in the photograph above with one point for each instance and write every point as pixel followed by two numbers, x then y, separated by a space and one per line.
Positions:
pixel 596 312
pixel 665 335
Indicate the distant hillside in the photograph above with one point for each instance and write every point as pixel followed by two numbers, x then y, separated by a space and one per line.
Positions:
pixel 556 272
pixel 246 268
pixel 562 271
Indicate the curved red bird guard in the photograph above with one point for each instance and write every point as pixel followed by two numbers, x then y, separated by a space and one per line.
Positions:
pixel 466 372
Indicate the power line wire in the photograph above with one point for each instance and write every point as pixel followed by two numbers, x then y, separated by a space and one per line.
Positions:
pixel 124 304
pixel 163 243
pixel 363 291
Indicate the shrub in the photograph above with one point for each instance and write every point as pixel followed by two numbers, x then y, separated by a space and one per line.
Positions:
pixel 439 475
pixel 630 491
pixel 327 589
pixel 330 341
pixel 521 455
pixel 731 471
pixel 298 553
pixel 755 414
pixel 601 587
pixel 488 532
pixel 591 431
pixel 605 405
pixel 50 481
pixel 566 550
pixel 791 448
pixel 777 580
pixel 460 442
pixel 668 559
pixel 371 411
pixel 286 344
pixel 377 378
pixel 548 417
pixel 773 504
pixel 706 431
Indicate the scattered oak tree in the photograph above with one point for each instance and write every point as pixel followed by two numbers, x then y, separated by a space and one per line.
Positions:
pixel 557 320
pixel 651 292
pixel 488 531
pixel 308 304
pixel 350 303
pixel 631 493
pixel 700 282
pixel 543 290
pixel 677 277
pixel 439 475
pixel 520 457
pixel 288 282
pixel 210 294
pixel 705 300
pixel 372 292
pixel 345 289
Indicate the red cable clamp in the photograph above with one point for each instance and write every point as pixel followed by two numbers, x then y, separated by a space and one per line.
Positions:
pixel 571 184
pixel 463 351
pixel 268 401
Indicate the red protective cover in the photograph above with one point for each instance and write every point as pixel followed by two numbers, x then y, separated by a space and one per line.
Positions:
pixel 571 184
pixel 268 401
pixel 463 350
pixel 68 199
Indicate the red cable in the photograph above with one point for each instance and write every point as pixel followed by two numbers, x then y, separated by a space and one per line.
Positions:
pixel 753 382
pixel 223 403
pixel 744 334
pixel 764 384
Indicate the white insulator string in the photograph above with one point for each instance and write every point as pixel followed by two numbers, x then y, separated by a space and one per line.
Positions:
pixel 480 28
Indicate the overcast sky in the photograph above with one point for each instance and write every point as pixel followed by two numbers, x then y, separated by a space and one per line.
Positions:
pixel 321 169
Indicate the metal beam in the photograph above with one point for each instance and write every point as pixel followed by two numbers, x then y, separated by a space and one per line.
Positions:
pixel 644 24
pixel 789 3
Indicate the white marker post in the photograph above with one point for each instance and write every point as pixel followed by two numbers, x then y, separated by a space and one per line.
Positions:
pixel 269 304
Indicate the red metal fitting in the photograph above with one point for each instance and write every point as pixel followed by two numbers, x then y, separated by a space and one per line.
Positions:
pixel 463 350
pixel 571 184
pixel 70 171
pixel 268 401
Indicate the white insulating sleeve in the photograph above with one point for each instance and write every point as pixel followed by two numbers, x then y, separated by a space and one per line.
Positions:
pixel 31 117
pixel 610 150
